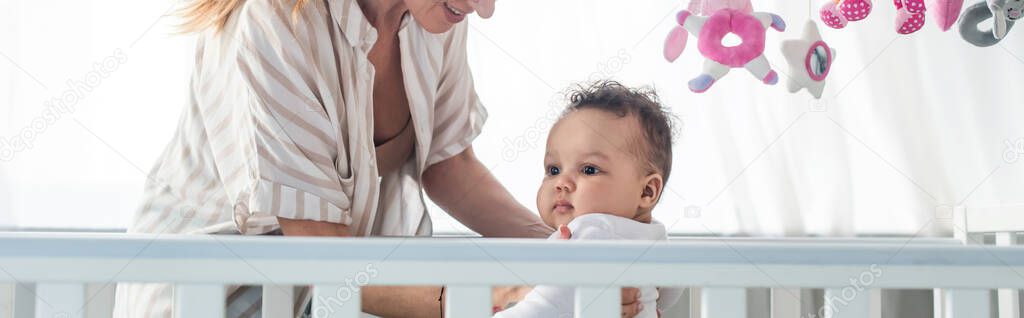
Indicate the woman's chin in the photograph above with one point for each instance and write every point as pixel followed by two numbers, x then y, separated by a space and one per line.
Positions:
pixel 437 26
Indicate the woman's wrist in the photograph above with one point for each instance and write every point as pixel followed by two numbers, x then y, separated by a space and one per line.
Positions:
pixel 291 227
pixel 440 302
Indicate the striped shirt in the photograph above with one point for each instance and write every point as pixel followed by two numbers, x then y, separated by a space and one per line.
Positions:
pixel 279 124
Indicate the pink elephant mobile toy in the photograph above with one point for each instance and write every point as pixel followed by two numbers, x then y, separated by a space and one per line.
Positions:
pixel 710 21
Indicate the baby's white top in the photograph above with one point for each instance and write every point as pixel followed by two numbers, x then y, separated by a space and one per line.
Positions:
pixel 557 301
pixel 600 226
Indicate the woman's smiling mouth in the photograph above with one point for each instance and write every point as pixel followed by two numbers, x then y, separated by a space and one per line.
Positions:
pixel 454 10
pixel 453 14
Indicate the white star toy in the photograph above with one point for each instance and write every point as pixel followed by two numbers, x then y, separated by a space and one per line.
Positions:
pixel 810 61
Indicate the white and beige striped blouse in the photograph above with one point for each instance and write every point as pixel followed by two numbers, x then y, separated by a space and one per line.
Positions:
pixel 279 124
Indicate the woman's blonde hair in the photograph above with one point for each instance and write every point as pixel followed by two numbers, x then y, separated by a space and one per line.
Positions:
pixel 199 15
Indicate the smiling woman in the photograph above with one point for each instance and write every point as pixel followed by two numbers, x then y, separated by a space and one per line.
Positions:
pixel 326 118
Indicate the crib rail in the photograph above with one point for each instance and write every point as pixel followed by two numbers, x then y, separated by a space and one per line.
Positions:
pixel 851 271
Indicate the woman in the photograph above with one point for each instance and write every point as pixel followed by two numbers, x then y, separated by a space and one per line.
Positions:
pixel 327 118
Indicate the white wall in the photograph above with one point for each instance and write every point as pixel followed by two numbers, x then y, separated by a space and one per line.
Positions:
pixel 83 167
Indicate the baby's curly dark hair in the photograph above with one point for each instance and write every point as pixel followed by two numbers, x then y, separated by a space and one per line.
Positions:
pixel 656 120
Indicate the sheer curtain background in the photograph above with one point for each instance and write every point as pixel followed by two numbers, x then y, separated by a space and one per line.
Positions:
pixel 907 124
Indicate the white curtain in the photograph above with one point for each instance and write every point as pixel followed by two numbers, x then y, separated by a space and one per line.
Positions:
pixel 912 122
pixel 93 90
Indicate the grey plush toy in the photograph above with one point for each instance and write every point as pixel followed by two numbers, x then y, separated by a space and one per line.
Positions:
pixel 1003 14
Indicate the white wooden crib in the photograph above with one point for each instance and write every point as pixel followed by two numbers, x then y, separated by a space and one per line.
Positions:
pixel 59 275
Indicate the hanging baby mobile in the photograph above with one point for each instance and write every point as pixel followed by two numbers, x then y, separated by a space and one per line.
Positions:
pixel 810 58
pixel 982 24
pixel 910 14
pixel 1002 14
pixel 710 21
pixel 837 14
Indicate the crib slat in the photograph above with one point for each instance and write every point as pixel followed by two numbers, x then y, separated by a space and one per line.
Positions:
pixel 60 300
pixel 99 300
pixel 967 303
pixel 853 302
pixel 198 300
pixel 1009 299
pixel 938 303
pixel 721 302
pixel 875 303
pixel 694 298
pixel 598 302
pixel 961 233
pixel 24 301
pixel 467 301
pixel 785 302
pixel 278 301
pixel 6 299
pixel 336 301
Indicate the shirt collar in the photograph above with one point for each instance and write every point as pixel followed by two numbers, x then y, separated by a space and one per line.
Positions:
pixel 357 29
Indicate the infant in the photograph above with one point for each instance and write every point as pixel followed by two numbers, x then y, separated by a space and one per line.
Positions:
pixel 607 160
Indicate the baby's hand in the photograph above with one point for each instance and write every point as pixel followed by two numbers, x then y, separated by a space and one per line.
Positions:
pixel 563 232
pixel 503 296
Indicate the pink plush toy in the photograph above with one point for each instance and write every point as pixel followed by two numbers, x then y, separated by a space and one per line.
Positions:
pixel 945 12
pixel 710 21
pixel 910 14
pixel 838 13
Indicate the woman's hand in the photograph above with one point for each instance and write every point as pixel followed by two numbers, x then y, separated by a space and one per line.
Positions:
pixel 631 305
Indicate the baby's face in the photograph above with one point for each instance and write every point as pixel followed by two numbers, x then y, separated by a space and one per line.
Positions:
pixel 589 167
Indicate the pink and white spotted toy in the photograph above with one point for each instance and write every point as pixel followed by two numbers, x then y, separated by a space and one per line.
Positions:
pixel 838 13
pixel 909 15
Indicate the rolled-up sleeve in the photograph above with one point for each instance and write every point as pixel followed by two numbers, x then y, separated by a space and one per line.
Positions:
pixel 289 139
pixel 459 115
